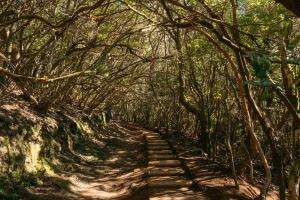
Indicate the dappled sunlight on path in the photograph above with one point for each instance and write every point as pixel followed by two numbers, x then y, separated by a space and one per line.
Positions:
pixel 116 176
pixel 142 165
pixel 167 180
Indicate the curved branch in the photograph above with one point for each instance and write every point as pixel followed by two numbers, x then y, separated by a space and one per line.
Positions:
pixel 62 23
pixel 44 79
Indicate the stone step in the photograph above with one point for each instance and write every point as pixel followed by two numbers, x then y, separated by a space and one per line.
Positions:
pixel 153 152
pixel 169 181
pixel 183 193
pixel 168 190
pixel 162 157
pixel 178 196
pixel 157 143
pixel 153 136
pixel 165 171
pixel 165 163
pixel 151 133
pixel 155 139
pixel 158 147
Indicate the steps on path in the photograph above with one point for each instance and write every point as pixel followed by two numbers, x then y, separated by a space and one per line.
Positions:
pixel 156 152
pixel 166 177
pixel 161 156
pixel 158 147
pixel 165 163
pixel 157 143
pixel 176 194
pixel 165 171
pixel 153 137
pixel 169 181
pixel 183 193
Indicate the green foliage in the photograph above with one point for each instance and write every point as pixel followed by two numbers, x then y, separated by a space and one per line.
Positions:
pixel 294 62
pixel 261 64
pixel 139 61
pixel 294 42
pixel 298 84
pixel 267 95
pixel 29 179
pixel 260 82
pixel 7 190
pixel 8 195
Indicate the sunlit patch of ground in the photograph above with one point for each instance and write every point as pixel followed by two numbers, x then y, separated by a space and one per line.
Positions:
pixel 116 176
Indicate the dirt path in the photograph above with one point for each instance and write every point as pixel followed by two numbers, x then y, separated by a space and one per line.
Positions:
pixel 140 165
pixel 119 174
pixel 167 179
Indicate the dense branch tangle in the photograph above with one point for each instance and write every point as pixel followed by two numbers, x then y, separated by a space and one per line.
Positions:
pixel 221 72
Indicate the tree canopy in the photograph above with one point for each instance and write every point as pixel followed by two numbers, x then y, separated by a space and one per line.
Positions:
pixel 222 72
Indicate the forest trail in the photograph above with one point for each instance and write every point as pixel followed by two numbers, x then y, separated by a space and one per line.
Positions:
pixel 119 172
pixel 140 165
pixel 167 180
pixel 82 81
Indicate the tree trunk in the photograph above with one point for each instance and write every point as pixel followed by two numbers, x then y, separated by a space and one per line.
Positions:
pixel 292 5
pixel 294 175
pixel 233 171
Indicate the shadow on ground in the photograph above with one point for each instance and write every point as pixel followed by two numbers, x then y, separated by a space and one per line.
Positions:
pixel 209 176
pixel 118 174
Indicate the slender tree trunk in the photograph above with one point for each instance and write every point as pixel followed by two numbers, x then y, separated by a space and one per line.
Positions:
pixel 233 170
pixel 250 162
pixel 228 143
pixel 247 116
pixel 294 174
pixel 288 82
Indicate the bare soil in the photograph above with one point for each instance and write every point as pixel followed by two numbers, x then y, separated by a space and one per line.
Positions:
pixel 120 175
pixel 210 177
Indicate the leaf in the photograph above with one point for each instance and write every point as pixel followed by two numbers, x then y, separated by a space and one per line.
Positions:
pixel 294 62
pixel 263 82
pixel 298 84
pixel 260 82
pixel 266 95
pixel 296 40
pixel 261 64
pixel 266 41
pixel 291 47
